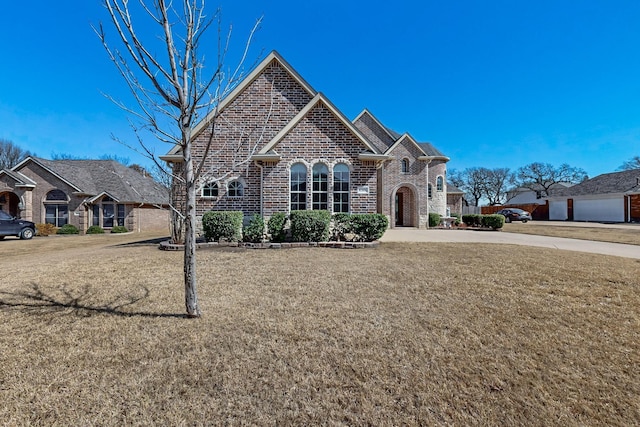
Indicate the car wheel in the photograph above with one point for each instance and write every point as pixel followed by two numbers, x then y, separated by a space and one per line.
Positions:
pixel 507 219
pixel 524 221
pixel 26 234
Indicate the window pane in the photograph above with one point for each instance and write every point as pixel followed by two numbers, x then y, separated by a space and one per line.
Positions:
pixel 50 214
pixel 107 215
pixel 57 195
pixel 341 188
pixel 121 215
pixel 298 189
pixel 96 215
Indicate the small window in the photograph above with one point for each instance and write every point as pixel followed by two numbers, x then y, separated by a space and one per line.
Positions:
pixel 235 189
pixel 298 189
pixel 430 191
pixel 320 186
pixel 405 166
pixel 439 184
pixel 210 190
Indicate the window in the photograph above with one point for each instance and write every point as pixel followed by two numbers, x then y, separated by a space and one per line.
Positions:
pixel 210 190
pixel 112 213
pixel 404 167
pixel 235 189
pixel 320 186
pixel 429 191
pixel 341 188
pixel 96 215
pixel 56 208
pixel 439 184
pixel 298 187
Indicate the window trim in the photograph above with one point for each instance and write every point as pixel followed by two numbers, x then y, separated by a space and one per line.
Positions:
pixel 405 166
pixel 58 219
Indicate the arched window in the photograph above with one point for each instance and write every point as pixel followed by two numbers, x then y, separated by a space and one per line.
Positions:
pixel 298 187
pixel 429 190
pixel 340 188
pixel 235 189
pixel 56 206
pixel 439 184
pixel 320 186
pixel 404 166
pixel 210 189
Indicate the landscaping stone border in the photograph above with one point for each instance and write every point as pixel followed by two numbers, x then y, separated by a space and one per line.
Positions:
pixel 166 246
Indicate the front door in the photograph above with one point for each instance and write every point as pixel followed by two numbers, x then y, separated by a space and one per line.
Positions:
pixel 399 209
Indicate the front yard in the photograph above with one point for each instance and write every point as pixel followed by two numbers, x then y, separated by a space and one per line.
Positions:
pixel 91 331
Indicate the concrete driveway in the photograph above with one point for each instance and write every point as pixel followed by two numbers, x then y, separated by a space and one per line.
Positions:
pixel 501 237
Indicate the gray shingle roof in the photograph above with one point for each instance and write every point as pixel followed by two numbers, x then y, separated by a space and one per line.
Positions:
pixel 453 189
pixel 614 182
pixel 94 177
pixel 430 150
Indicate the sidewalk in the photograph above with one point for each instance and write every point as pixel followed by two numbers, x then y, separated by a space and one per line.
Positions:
pixel 504 238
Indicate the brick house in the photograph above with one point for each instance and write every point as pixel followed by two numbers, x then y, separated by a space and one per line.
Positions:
pixel 84 193
pixel 278 145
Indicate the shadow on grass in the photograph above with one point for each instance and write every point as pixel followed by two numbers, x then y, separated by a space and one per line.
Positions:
pixel 147 242
pixel 76 302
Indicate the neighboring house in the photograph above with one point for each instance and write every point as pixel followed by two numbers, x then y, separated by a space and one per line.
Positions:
pixel 278 145
pixel 84 193
pixel 610 197
pixel 455 198
pixel 525 195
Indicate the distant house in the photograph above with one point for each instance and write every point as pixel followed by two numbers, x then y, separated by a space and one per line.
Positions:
pixel 306 155
pixel 83 193
pixel 535 195
pixel 610 197
pixel 455 197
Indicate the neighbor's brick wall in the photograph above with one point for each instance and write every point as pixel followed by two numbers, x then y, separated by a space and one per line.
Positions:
pixel 148 218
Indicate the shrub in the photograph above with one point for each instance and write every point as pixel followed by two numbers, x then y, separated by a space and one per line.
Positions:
pixel 368 227
pixel 94 229
pixel 225 225
pixel 493 221
pixel 434 219
pixel 119 229
pixel 45 229
pixel 310 226
pixel 457 217
pixel 68 229
pixel 472 220
pixel 341 226
pixel 275 225
pixel 254 231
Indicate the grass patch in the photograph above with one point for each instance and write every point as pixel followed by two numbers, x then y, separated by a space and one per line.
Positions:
pixel 401 334
pixel 613 235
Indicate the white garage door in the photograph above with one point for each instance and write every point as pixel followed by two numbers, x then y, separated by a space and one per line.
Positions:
pixel 558 210
pixel 604 210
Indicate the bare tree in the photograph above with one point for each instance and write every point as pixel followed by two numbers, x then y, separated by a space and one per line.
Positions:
pixel 497 183
pixel 543 176
pixel 473 181
pixel 11 154
pixel 173 91
pixel 632 163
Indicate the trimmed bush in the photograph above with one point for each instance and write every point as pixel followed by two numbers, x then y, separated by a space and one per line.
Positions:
pixel 494 221
pixel 368 227
pixel 310 226
pixel 68 229
pixel 341 226
pixel 254 231
pixel 457 217
pixel 276 225
pixel 119 229
pixel 434 219
pixel 472 220
pixel 45 229
pixel 94 229
pixel 225 225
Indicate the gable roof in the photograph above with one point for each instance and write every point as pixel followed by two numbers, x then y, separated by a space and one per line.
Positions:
pixel 95 177
pixel 608 183
pixel 390 133
pixel 319 99
pixel 273 57
pixel 452 189
pixel 20 179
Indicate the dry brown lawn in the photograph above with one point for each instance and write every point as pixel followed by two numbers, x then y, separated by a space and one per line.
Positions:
pixel 614 235
pixel 92 333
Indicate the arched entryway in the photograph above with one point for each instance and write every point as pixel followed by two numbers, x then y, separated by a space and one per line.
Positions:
pixel 9 203
pixel 404 206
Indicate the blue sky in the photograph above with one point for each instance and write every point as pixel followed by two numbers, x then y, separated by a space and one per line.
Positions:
pixel 490 83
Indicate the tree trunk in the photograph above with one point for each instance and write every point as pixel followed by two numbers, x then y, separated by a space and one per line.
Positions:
pixel 190 283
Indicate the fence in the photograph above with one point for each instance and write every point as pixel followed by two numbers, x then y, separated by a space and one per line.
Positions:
pixel 538 212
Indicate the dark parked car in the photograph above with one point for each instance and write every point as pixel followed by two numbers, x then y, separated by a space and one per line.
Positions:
pixel 514 214
pixel 11 226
